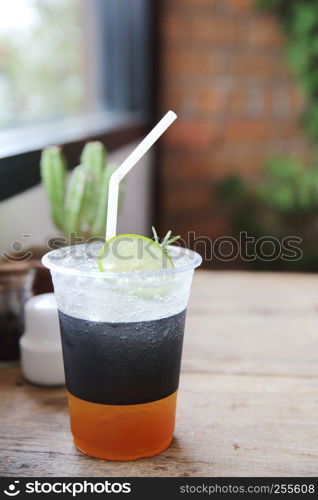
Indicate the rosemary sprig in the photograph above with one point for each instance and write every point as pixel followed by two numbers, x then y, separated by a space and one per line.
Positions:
pixel 167 240
pixel 155 235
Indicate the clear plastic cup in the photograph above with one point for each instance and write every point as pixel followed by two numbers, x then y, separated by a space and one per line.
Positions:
pixel 122 337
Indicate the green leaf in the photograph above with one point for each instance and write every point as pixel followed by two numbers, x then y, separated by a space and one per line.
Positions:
pixel 232 189
pixel 167 240
pixel 304 18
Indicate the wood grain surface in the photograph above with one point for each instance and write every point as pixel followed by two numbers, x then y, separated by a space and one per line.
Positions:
pixel 248 398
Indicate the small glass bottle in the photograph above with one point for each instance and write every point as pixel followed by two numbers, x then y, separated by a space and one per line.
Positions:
pixel 16 280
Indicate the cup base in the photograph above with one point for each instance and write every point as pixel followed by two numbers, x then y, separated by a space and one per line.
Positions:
pixel 101 454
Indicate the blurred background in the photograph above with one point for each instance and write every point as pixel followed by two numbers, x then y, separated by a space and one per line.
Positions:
pixel 240 74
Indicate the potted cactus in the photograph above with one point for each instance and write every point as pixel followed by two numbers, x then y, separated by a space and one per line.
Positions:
pixel 79 202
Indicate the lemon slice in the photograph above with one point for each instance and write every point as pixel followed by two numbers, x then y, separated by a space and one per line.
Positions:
pixel 133 252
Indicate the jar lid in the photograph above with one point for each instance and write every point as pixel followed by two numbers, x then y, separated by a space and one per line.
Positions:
pixel 7 268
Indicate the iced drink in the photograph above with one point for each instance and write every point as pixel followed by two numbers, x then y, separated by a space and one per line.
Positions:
pixel 122 336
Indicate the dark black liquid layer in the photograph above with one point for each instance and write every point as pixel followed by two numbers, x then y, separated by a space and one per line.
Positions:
pixel 122 363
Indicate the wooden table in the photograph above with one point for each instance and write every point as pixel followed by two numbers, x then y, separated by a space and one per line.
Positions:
pixel 248 401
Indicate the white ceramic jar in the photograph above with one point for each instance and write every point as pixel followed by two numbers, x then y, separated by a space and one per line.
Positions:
pixel 40 345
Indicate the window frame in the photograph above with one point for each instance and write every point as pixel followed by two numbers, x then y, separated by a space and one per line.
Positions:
pixel 21 171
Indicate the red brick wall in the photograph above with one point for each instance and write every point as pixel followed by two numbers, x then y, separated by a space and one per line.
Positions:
pixel 222 70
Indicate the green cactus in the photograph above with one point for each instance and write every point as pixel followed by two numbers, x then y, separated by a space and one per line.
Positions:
pixel 75 200
pixel 94 155
pixel 93 158
pixel 80 206
pixel 53 172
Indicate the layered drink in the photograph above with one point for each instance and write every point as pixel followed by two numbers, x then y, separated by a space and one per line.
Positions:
pixel 122 334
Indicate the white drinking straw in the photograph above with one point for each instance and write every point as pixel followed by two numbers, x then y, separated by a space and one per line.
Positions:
pixel 127 165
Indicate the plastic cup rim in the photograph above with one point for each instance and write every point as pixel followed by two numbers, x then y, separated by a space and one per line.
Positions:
pixel 194 261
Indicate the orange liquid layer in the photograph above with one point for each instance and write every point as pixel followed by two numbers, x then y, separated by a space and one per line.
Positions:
pixel 122 432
